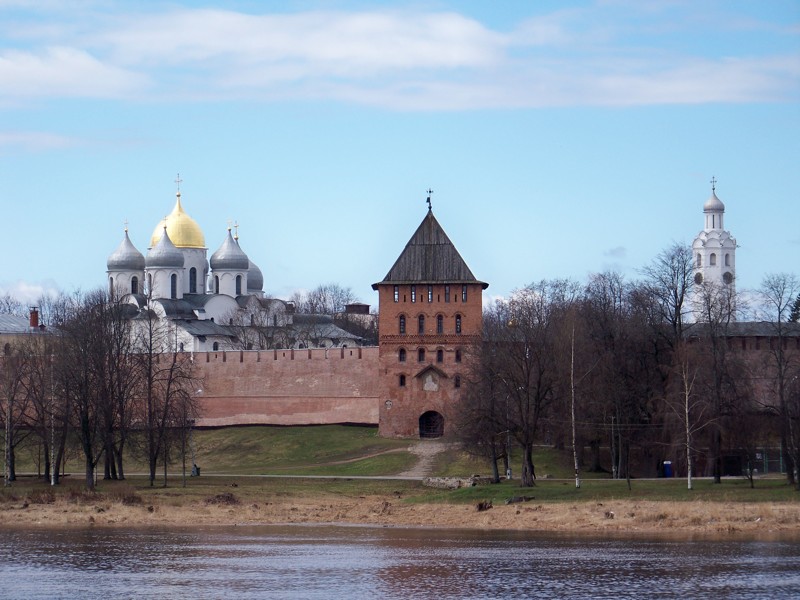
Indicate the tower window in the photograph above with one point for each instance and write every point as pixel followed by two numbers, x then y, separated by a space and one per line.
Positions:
pixel 173 286
pixel 457 381
pixel 458 355
pixel 712 260
pixel 413 293
pixel 439 324
pixel 447 293
pixel 238 285
pixel 134 285
pixel 421 328
pixel 421 355
pixel 402 381
pixel 440 356
pixel 463 293
pixel 402 324
pixel 401 355
pixel 458 323
pixel 430 293
pixel 193 280
pixel 397 293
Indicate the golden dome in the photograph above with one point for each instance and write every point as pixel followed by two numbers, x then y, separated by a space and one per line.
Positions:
pixel 182 229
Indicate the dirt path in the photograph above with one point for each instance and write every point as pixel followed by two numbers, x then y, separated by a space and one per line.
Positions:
pixel 426 452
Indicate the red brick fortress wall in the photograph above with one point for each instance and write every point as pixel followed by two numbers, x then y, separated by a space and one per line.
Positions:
pixel 288 387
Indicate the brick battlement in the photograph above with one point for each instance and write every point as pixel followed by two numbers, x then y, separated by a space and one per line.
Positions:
pixel 257 356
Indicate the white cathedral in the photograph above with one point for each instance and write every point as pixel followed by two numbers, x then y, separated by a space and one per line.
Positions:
pixel 224 308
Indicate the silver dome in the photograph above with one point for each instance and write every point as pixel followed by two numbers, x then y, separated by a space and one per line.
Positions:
pixel 229 257
pixel 164 254
pixel 126 257
pixel 255 278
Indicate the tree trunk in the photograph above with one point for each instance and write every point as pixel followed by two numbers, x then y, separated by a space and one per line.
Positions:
pixel 528 472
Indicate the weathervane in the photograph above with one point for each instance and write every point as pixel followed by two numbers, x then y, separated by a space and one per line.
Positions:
pixel 430 191
pixel 713 184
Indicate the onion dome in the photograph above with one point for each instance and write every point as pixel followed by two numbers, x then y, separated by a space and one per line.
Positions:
pixel 183 230
pixel 164 254
pixel 255 278
pixel 713 204
pixel 126 257
pixel 229 256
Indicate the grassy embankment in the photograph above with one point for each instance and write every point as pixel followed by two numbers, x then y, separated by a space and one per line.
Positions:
pixel 231 458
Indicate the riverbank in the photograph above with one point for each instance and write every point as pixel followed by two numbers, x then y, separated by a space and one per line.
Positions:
pixel 231 505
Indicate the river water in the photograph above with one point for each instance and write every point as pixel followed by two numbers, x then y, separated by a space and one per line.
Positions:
pixel 361 562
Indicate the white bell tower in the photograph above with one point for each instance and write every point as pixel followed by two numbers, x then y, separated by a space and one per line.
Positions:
pixel 714 249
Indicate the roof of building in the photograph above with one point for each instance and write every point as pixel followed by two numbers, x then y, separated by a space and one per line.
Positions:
pixel 713 204
pixel 126 257
pixel 164 253
pixel 14 324
pixel 429 257
pixel 183 230
pixel 229 256
pixel 749 329
pixel 204 328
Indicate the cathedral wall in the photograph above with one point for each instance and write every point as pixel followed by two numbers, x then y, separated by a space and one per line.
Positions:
pixel 289 387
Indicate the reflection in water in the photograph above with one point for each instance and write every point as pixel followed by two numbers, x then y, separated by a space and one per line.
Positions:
pixel 356 562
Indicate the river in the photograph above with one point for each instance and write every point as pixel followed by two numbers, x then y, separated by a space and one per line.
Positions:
pixel 361 562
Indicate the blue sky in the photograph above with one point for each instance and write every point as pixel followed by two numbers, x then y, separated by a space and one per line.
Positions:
pixel 560 138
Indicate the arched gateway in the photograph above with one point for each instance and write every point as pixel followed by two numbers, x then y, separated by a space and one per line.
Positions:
pixel 431 425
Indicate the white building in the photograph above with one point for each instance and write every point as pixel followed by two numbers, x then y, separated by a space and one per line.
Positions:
pixel 207 310
pixel 714 251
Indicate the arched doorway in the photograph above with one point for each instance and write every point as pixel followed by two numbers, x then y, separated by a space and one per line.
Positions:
pixel 431 425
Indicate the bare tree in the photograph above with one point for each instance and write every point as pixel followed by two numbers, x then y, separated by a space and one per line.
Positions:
pixel 10 305
pixel 778 293
pixel 166 385
pixel 325 299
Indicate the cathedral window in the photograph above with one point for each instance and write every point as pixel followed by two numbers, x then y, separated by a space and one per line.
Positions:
pixel 413 293
pixel 149 283
pixel 402 381
pixel 439 324
pixel 698 260
pixel 421 355
pixel 430 293
pixel 193 280
pixel 110 286
pixel 173 286
pixel 238 285
pixel 215 347
pixel 402 324
pixel 216 284
pixel 447 293
pixel 397 293
pixel 458 323
pixel 134 285
pixel 712 260
pixel 421 324
pixel 401 355
pixel 727 260
pixel 440 356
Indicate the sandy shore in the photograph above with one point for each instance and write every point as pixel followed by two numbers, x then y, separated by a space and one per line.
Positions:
pixel 770 520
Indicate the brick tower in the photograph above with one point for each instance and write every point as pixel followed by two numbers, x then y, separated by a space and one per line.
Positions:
pixel 430 317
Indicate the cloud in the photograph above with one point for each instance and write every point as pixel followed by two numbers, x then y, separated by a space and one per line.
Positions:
pixel 64 72
pixel 619 252
pixel 395 59
pixel 28 292
pixel 34 141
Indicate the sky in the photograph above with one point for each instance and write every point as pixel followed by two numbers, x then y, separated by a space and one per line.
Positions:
pixel 560 139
